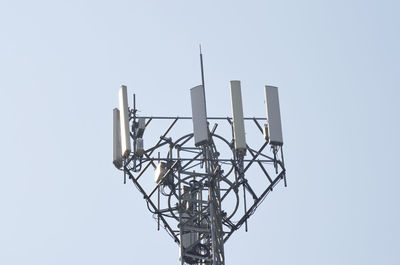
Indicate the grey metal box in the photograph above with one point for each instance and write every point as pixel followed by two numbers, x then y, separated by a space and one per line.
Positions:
pixel 140 127
pixel 139 148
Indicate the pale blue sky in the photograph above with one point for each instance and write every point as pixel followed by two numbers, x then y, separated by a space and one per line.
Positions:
pixel 336 63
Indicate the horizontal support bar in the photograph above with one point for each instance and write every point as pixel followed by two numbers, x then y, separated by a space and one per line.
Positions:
pixel 189 118
pixel 210 160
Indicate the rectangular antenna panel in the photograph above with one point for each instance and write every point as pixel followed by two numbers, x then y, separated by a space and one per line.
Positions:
pixel 238 120
pixel 273 115
pixel 199 115
pixel 124 121
pixel 117 155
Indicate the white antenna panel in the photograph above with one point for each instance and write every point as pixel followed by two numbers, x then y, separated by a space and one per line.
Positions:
pixel 238 121
pixel 199 115
pixel 160 171
pixel 117 156
pixel 124 121
pixel 273 115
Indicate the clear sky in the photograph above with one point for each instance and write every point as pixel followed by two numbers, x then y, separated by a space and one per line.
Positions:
pixel 336 63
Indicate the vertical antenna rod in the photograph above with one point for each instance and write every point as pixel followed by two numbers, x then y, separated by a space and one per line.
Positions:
pixel 202 76
pixel 202 68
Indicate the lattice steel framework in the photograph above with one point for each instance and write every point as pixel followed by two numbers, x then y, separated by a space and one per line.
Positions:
pixel 199 195
pixel 202 193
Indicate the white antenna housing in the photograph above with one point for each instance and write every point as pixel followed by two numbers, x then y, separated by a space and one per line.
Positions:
pixel 199 115
pixel 273 115
pixel 238 120
pixel 160 171
pixel 117 155
pixel 124 121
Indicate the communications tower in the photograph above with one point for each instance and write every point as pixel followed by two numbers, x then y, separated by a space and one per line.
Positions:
pixel 207 181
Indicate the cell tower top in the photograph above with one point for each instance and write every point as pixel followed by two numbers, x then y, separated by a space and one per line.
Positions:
pixel 206 184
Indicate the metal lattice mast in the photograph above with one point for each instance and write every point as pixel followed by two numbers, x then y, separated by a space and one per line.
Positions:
pixel 214 200
pixel 202 192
